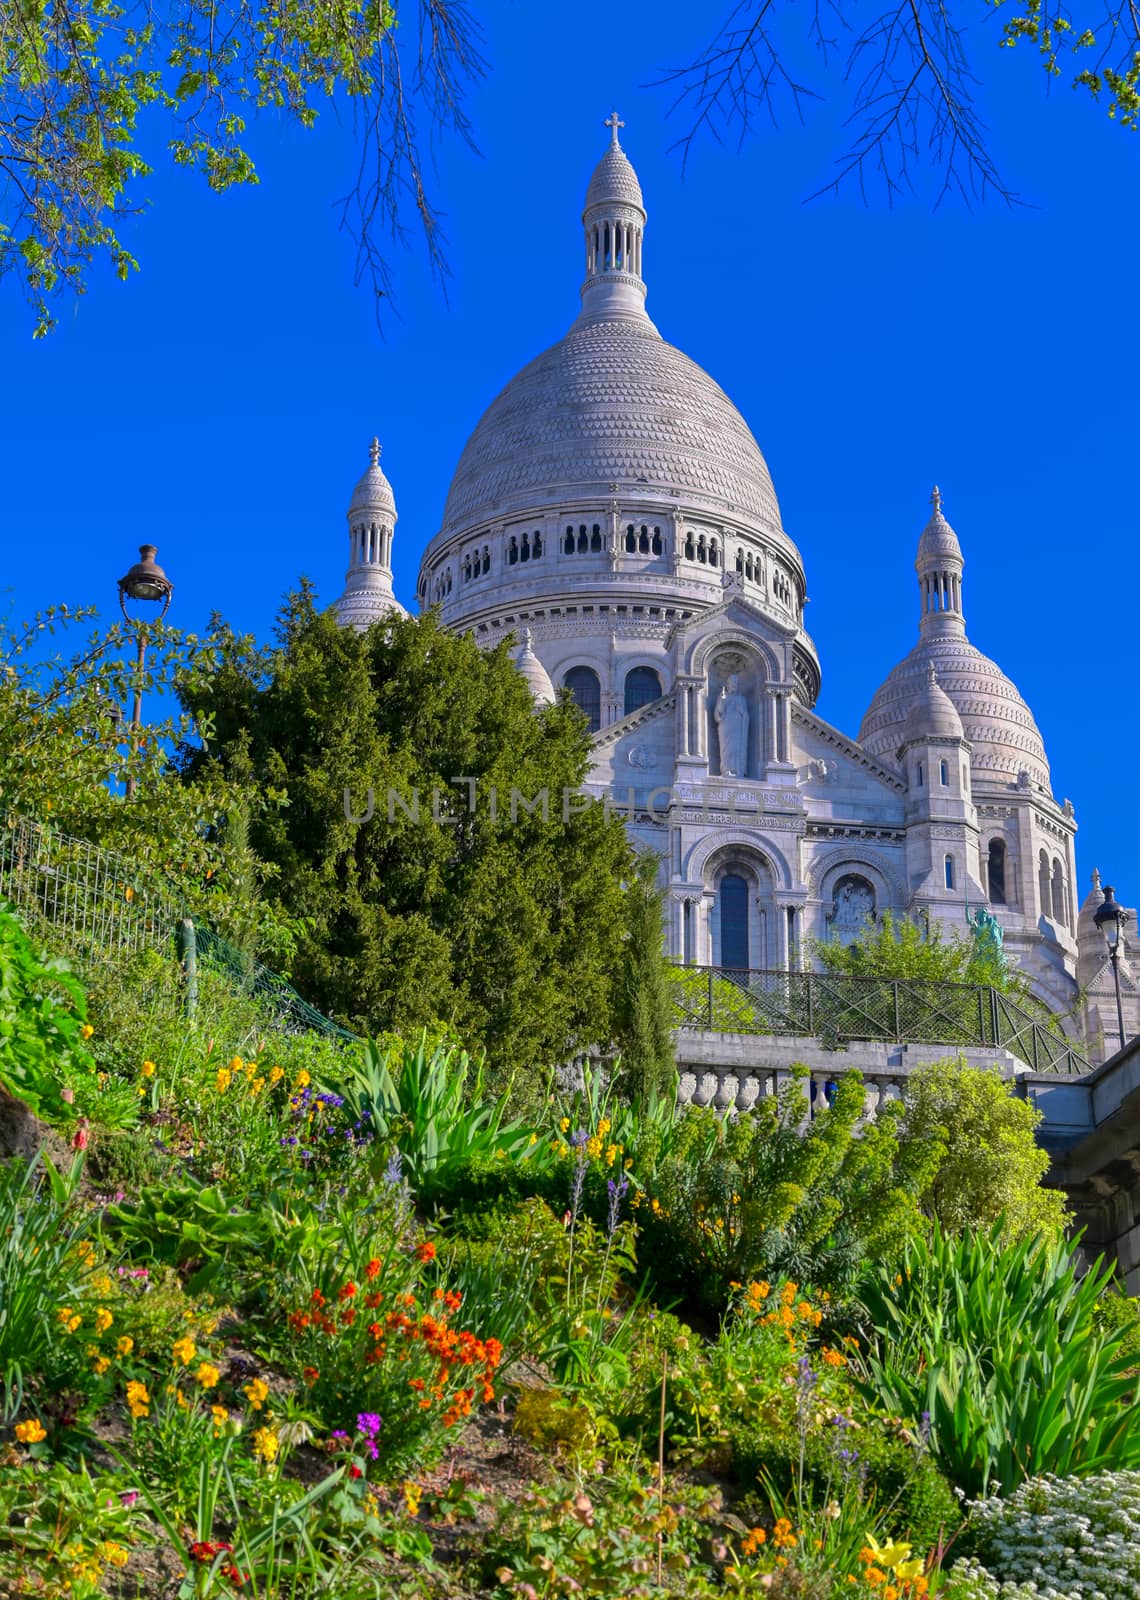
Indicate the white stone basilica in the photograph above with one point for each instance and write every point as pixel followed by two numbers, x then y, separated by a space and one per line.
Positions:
pixel 614 513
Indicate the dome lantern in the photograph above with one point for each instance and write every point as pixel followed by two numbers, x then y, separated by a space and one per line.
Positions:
pixel 939 566
pixel 614 220
pixel 368 592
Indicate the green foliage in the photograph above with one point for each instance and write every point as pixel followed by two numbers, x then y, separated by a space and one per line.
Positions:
pixel 644 1012
pixel 44 1058
pixel 61 1531
pixel 997 1343
pixel 897 947
pixel 497 920
pixel 775 1194
pixel 45 1278
pixel 991 1166
pixel 97 81
pixel 419 1103
pixel 556 1424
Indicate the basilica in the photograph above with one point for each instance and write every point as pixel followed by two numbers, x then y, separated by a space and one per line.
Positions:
pixel 613 513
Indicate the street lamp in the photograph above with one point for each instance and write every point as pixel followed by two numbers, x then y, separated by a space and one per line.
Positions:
pixel 145 581
pixel 1110 919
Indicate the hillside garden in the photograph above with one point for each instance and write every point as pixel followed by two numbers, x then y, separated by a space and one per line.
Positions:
pixel 415 1314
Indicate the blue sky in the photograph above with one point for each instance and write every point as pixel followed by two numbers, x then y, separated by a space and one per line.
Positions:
pixel 221 403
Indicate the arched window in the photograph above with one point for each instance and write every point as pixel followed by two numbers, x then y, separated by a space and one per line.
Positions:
pixel 583 684
pixel 948 871
pixel 1058 891
pixel 630 538
pixel 568 542
pixel 642 687
pixel 583 539
pixel 732 902
pixel 512 551
pixel 1044 888
pixel 537 544
pixel 596 537
pixel 944 773
pixel 740 561
pixel 655 545
pixel 486 558
pixel 995 871
pixel 643 540
pixel 690 548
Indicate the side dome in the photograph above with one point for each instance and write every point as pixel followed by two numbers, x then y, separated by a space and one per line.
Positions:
pixel 532 669
pixel 933 715
pixel 610 405
pixel 994 717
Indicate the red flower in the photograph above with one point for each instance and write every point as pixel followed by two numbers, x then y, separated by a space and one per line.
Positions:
pixel 310 1374
pixel 79 1141
pixel 372 1270
pixel 355 1472
pixel 425 1251
pixel 347 1292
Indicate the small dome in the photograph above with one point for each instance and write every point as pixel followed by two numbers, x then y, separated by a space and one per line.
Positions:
pixel 614 177
pixel 536 675
pixel 933 715
pixel 373 492
pixel 938 542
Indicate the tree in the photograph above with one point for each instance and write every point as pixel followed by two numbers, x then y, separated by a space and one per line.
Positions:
pixel 644 1033
pixel 85 81
pixel 991 1165
pixel 902 948
pixel 907 79
pixel 438 884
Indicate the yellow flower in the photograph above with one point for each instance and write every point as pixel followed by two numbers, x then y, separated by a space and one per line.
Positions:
pixel 237 1064
pixel 124 1346
pixel 207 1375
pixel 564 1125
pixel 148 1069
pixel 303 1079
pixel 276 1074
pixel 100 1365
pixel 101 1284
pixel 103 1319
pixel 611 1154
pixel 86 1031
pixel 138 1399
pixel 889 1555
pixel 266 1445
pixel 184 1350
pixel 256 1085
pixel 115 1555
pixel 412 1496
pixel 256 1392
pixel 603 1127
pixel 220 1415
pixel 223 1079
pixel 30 1432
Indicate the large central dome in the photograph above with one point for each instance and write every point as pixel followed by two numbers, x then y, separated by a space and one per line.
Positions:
pixel 611 406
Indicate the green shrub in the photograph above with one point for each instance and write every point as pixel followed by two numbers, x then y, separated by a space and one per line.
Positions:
pixel 773 1194
pixel 903 1485
pixel 997 1344
pixel 991 1165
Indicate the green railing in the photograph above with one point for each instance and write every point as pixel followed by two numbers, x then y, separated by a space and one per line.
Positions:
pixel 93 898
pixel 839 1010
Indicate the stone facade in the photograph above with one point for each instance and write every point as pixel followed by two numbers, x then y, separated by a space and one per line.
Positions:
pixel 613 507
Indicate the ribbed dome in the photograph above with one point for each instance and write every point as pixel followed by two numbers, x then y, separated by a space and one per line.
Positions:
pixel 939 542
pixel 611 403
pixel 995 719
pixel 373 492
pixel 932 716
pixel 614 179
pixel 536 675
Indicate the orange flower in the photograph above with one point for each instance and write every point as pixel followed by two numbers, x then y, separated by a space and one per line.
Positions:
pixel 372 1270
pixel 425 1251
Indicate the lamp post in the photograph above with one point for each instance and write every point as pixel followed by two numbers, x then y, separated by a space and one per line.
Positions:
pixel 145 581
pixel 1110 919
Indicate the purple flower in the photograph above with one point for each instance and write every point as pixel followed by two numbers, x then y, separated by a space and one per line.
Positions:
pixel 128 1497
pixel 394 1171
pixel 616 1193
pixel 368 1423
pixel 581 1160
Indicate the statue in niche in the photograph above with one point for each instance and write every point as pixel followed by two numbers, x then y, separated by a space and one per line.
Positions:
pixel 854 907
pixel 731 717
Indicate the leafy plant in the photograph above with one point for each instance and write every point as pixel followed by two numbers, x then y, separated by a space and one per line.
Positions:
pixel 997 1345
pixel 62 1531
pixel 46 1267
pixel 420 1104
pixel 991 1165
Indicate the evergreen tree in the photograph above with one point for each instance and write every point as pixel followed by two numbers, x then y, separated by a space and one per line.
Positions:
pixel 645 1001
pixel 496 909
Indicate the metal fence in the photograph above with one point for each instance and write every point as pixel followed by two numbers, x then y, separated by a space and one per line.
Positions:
pixel 93 898
pixel 836 1009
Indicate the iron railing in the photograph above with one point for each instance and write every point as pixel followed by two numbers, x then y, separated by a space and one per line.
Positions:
pixel 838 1009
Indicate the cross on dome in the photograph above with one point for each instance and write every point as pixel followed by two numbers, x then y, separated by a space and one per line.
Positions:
pixel 374 452
pixel 613 122
pixel 936 500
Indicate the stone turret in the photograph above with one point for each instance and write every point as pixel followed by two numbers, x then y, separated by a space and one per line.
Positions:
pixel 368 593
